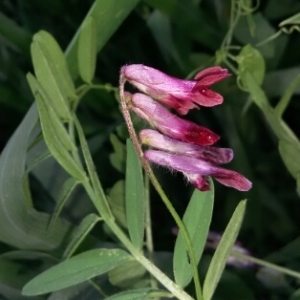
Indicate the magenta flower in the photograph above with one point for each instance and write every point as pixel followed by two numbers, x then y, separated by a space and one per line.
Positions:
pixel 159 141
pixel 195 170
pixel 169 124
pixel 181 95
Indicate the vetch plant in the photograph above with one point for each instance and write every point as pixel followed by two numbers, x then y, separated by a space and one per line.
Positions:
pixel 78 219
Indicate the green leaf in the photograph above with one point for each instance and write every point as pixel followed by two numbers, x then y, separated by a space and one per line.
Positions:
pixel 99 200
pixel 118 158
pixel 219 259
pixel 117 202
pixel 138 294
pixel 290 156
pixel 87 50
pixel 250 60
pixel 22 226
pixel 38 159
pixel 86 225
pixel 50 80
pixel 134 197
pixel 75 270
pixel 257 94
pixel 66 190
pixel 59 61
pixel 197 218
pixel 53 133
pixel 119 276
pixel 108 15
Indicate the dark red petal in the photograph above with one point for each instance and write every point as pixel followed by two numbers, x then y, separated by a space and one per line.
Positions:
pixel 199 135
pixel 211 76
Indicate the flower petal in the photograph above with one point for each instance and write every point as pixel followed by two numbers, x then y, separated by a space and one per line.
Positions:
pixel 199 167
pixel 169 124
pixel 178 94
pixel 157 140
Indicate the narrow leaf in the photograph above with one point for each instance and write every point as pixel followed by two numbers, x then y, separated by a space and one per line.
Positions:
pixel 75 270
pixel 197 218
pixel 87 50
pixel 86 225
pixel 290 156
pixel 117 202
pixel 59 61
pixel 100 201
pixel 50 80
pixel 21 225
pixel 138 294
pixel 134 197
pixel 55 145
pixel 66 190
pixel 219 259
pixel 108 16
pixel 119 276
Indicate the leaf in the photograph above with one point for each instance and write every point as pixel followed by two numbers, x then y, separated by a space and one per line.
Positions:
pixel 223 250
pixel 86 225
pixel 66 190
pixel 22 226
pixel 134 197
pixel 117 202
pixel 75 270
pixel 257 94
pixel 118 158
pixel 251 60
pixel 290 156
pixel 87 50
pixel 59 61
pixel 108 15
pixel 138 294
pixel 50 80
pixel 99 200
pixel 50 132
pixel 119 276
pixel 197 218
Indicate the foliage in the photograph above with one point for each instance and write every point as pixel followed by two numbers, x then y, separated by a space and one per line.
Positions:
pixel 78 216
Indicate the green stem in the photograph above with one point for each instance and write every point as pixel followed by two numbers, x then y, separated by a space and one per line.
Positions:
pixel 158 188
pixel 148 226
pixel 157 273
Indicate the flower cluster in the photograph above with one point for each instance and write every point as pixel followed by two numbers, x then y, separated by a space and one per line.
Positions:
pixel 180 144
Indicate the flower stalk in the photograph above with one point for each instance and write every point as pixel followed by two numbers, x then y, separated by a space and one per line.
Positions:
pixel 157 186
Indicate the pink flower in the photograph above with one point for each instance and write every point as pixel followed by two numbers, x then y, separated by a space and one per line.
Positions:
pixel 195 169
pixel 169 124
pixel 159 141
pixel 181 95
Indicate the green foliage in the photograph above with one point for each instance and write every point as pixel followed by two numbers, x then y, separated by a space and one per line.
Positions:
pixel 78 218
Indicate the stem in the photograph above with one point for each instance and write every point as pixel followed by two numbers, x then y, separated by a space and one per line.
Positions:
pixel 157 273
pixel 149 240
pixel 158 188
